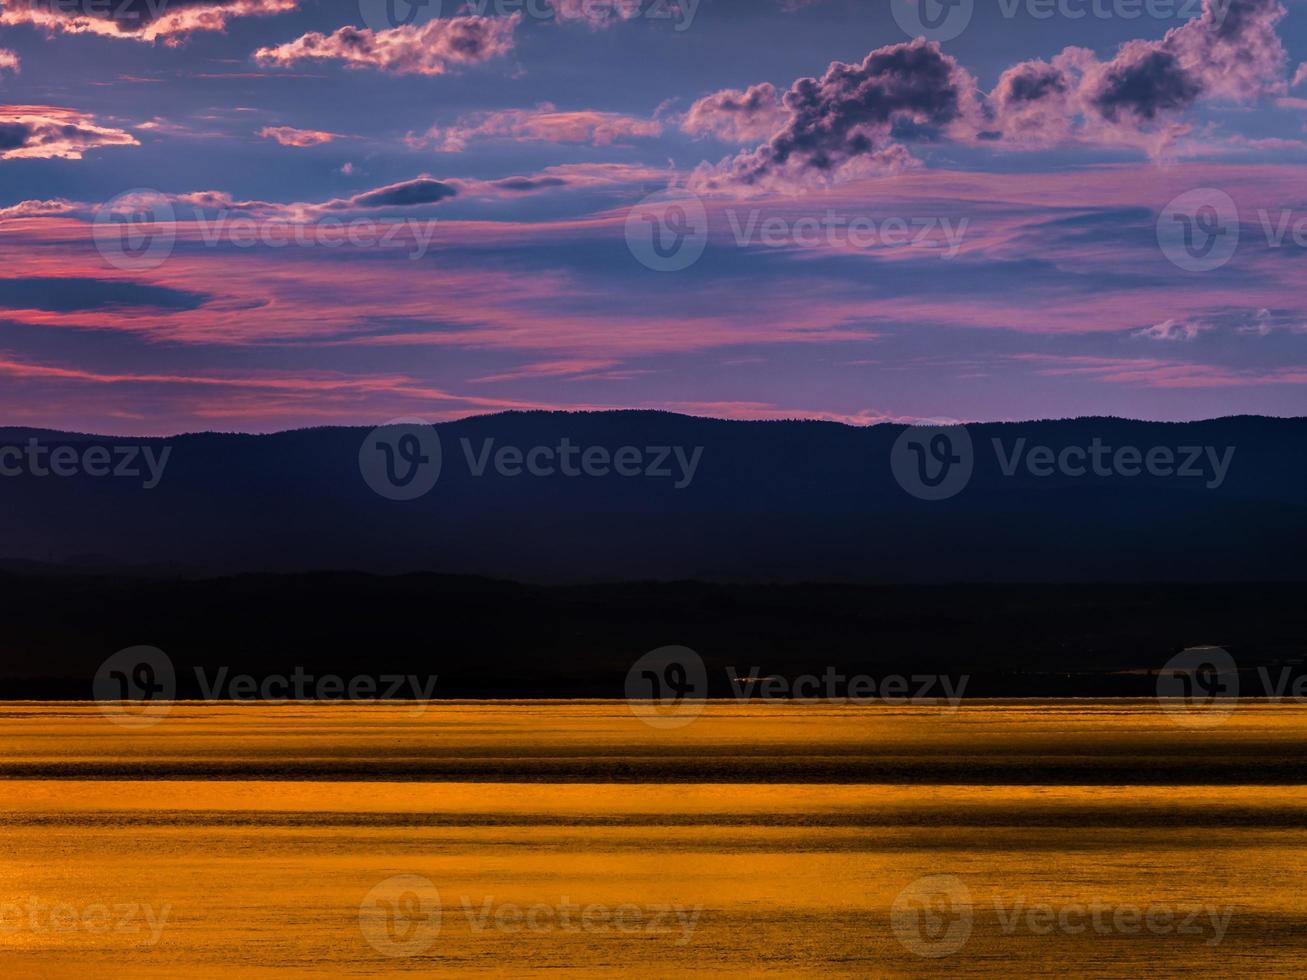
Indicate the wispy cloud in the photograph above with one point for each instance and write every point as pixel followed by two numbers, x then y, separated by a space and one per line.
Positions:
pixel 290 136
pixel 545 124
pixel 430 49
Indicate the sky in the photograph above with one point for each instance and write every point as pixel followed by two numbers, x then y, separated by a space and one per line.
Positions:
pixel 257 215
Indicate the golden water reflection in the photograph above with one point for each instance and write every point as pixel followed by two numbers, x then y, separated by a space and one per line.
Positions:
pixel 226 841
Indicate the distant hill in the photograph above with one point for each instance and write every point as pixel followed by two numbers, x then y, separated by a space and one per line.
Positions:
pixel 756 501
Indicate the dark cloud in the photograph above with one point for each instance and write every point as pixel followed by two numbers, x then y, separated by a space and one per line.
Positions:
pixel 737 117
pixel 524 185
pixel 410 193
pixel 847 116
pixel 14 135
pixel 67 294
pixel 1033 81
pixel 857 119
pixel 1154 82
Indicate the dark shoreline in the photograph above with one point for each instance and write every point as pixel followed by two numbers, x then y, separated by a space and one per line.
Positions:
pixel 488 639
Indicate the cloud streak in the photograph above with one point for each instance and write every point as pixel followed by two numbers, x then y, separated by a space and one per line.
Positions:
pixel 544 124
pixel 290 136
pixel 168 21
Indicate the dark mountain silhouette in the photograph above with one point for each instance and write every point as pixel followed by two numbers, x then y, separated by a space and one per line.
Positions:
pixel 768 502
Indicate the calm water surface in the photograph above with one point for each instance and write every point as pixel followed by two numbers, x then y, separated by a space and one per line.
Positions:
pixel 1085 838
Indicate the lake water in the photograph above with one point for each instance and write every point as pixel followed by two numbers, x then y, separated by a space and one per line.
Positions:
pixel 1091 838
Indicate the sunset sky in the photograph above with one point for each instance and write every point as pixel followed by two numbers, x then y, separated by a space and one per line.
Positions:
pixel 1047 146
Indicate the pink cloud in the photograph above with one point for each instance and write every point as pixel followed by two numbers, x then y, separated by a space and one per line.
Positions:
pixel 1173 330
pixel 1153 373
pixel 851 122
pixel 596 14
pixel 549 369
pixel 565 321
pixel 172 23
pixel 543 124
pixel 49 132
pixel 430 49
pixel 733 116
pixel 9 61
pixel 37 208
pixel 289 136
